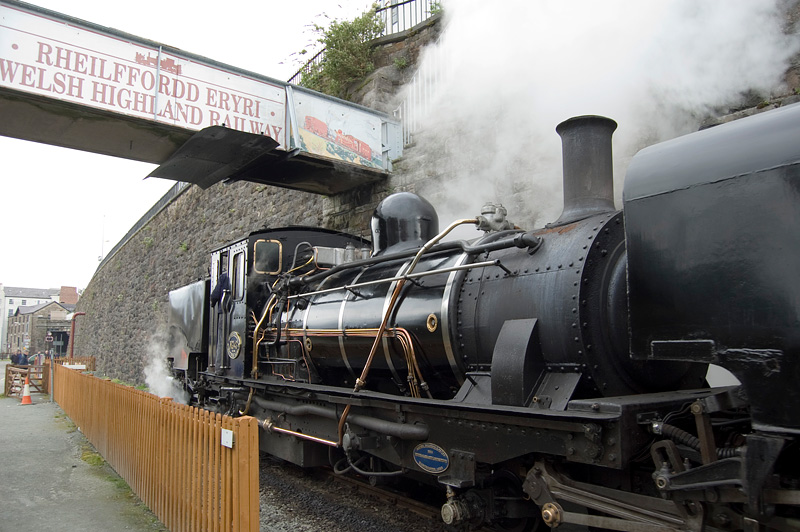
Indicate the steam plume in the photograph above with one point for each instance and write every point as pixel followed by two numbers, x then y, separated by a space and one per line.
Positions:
pixel 156 372
pixel 513 70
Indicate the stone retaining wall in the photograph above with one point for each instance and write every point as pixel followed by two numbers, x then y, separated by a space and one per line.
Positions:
pixel 126 300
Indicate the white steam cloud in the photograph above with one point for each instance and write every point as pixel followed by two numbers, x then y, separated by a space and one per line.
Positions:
pixel 510 71
pixel 157 375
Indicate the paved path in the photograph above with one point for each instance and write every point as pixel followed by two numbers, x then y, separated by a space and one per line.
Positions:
pixel 46 485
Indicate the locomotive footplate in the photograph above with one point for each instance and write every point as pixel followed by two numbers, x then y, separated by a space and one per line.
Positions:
pixel 606 432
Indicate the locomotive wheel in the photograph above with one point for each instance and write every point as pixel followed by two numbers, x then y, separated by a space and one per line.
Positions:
pixel 506 485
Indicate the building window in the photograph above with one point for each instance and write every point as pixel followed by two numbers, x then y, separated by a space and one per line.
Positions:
pixel 24 301
pixel 10 301
pixel 10 312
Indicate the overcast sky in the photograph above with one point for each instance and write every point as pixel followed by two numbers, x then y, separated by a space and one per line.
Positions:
pixel 62 209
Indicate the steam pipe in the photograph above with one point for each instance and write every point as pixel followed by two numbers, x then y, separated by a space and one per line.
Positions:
pixel 403 431
pixel 517 238
pixel 269 426
pixel 588 167
pixel 362 381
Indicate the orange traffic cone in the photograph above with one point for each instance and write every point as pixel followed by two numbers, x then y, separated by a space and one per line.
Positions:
pixel 26 392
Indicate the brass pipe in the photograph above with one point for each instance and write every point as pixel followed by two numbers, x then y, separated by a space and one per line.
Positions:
pixel 270 426
pixel 249 400
pixel 396 294
pixel 257 342
pixel 362 381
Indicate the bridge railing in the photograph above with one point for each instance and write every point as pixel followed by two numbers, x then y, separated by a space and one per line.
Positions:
pixel 173 456
pixel 402 15
pixel 420 92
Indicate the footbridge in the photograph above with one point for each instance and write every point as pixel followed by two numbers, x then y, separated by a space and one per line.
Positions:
pixel 75 84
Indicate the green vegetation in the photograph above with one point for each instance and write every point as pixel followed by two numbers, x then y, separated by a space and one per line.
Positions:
pixel 66 423
pixel 137 511
pixel 91 457
pixel 121 382
pixel 348 55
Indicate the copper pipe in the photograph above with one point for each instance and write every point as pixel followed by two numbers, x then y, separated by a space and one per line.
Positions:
pixel 270 426
pixel 256 343
pixel 362 381
pixel 249 400
pixel 396 294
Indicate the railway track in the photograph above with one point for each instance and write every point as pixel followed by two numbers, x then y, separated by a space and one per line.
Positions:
pixel 308 500
pixel 395 498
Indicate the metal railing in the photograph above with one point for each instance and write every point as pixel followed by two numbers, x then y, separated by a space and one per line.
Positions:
pixel 403 15
pixel 398 16
pixel 419 93
pixel 307 68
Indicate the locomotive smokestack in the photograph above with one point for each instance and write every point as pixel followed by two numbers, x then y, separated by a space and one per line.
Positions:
pixel 588 167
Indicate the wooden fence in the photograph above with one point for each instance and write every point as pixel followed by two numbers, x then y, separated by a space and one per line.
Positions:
pixel 169 454
pixel 15 379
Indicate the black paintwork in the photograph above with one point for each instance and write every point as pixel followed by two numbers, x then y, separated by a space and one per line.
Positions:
pixel 714 253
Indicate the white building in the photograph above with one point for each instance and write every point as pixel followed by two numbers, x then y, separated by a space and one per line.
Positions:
pixel 11 298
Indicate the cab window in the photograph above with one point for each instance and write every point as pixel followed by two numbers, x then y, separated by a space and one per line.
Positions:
pixel 268 257
pixel 238 276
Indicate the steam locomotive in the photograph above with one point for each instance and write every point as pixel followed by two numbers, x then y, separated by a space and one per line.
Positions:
pixel 554 376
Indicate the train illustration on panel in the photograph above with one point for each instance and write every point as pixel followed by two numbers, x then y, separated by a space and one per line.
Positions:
pixel 349 142
pixel 538 377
